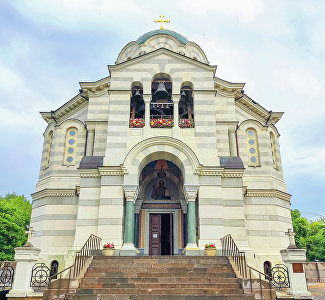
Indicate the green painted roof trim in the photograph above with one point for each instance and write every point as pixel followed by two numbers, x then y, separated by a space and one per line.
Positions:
pixel 143 38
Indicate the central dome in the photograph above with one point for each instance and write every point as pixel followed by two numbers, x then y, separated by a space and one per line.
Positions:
pixel 143 38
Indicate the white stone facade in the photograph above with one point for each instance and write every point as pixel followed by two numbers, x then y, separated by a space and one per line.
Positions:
pixel 250 203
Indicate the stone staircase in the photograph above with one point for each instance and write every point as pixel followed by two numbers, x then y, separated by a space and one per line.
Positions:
pixel 158 277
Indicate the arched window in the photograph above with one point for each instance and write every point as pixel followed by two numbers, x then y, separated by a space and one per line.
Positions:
pixel 137 106
pixel 185 107
pixel 272 139
pixel 267 269
pixel 70 149
pixel 54 268
pixel 161 107
pixel 48 149
pixel 252 147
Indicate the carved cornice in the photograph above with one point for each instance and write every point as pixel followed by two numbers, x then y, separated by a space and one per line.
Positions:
pixel 112 171
pixel 131 192
pixel 66 110
pixel 89 173
pixel 190 192
pixel 93 88
pixel 267 193
pixel 54 193
pixel 218 171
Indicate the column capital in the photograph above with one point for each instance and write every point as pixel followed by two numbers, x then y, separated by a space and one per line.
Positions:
pixel 232 129
pixel 146 98
pixel 131 192
pixel 176 98
pixel 190 192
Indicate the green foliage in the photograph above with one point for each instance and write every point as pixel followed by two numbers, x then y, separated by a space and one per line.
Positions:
pixel 310 235
pixel 15 214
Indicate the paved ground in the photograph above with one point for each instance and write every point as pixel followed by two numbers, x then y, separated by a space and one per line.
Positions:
pixel 317 290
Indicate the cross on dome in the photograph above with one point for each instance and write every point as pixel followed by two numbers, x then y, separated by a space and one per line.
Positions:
pixel 161 21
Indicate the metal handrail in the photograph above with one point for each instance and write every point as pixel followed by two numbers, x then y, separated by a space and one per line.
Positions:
pixel 260 281
pixel 229 248
pixel 90 248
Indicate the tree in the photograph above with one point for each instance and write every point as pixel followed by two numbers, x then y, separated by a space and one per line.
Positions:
pixel 310 235
pixel 15 212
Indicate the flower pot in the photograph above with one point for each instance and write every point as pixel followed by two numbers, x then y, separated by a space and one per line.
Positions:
pixel 108 251
pixel 210 251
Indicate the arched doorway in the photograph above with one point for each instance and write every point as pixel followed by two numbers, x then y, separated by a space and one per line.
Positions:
pixel 161 209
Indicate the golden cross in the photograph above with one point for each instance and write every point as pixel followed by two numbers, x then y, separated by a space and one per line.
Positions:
pixel 161 21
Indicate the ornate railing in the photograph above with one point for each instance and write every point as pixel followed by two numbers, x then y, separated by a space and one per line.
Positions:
pixel 7 273
pixel 279 277
pixel 229 248
pixel 41 277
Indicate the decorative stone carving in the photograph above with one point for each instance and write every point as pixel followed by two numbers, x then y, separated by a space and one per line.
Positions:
pixel 131 192
pixel 190 192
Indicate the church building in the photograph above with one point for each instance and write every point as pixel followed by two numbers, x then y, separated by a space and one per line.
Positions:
pixel 160 158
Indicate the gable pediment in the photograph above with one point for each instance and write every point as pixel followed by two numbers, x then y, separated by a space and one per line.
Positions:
pixel 162 54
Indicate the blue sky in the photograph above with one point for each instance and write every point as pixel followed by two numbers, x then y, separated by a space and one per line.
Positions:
pixel 276 47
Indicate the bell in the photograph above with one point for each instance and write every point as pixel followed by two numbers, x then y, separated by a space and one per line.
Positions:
pixel 183 94
pixel 137 95
pixel 161 92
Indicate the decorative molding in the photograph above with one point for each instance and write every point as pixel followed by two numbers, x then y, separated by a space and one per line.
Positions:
pixel 267 193
pixel 88 173
pixel 54 193
pixel 112 171
pixel 218 171
pixel 190 192
pixel 131 192
pixel 95 86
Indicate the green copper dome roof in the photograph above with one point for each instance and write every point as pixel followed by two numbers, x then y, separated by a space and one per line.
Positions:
pixel 142 39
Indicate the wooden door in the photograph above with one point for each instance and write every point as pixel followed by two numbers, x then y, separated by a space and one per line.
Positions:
pixel 155 234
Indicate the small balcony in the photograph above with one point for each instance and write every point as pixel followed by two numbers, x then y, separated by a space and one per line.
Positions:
pixel 162 121
pixel 186 123
pixel 136 123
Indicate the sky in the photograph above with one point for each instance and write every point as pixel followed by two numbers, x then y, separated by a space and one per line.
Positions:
pixel 276 47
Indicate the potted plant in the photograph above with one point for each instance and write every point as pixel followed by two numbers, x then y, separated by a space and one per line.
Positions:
pixel 210 249
pixel 109 249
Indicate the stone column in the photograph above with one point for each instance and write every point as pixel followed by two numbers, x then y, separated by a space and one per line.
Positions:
pixel 232 141
pixel 147 99
pixel 176 129
pixel 294 259
pixel 25 257
pixel 131 193
pixel 90 141
pixel 190 192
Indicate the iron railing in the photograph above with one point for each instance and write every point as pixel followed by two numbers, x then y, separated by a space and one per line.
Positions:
pixel 91 247
pixel 279 277
pixel 7 273
pixel 229 248
pixel 260 282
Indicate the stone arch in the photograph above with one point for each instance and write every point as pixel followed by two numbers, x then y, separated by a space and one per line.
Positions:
pixel 161 148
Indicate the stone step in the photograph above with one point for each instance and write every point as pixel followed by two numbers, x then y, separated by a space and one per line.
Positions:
pixel 162 291
pixel 168 279
pixel 158 275
pixel 115 264
pixel 156 286
pixel 155 271
pixel 159 297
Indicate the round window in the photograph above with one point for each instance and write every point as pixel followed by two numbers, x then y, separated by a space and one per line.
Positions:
pixel 70 150
pixel 71 141
pixel 69 159
pixel 253 159
pixel 251 141
pixel 72 133
pixel 250 132
pixel 252 150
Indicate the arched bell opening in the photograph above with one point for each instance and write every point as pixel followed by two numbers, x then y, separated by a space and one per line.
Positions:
pixel 186 106
pixel 161 106
pixel 160 209
pixel 137 106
